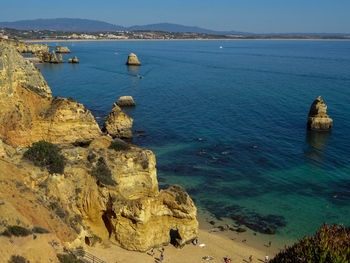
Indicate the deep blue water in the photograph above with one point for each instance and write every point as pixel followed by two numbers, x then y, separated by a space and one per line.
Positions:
pixel 229 124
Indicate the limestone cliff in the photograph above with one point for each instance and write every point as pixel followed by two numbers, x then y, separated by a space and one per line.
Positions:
pixel 29 113
pixel 108 191
pixel 26 48
pixel 318 118
pixel 118 124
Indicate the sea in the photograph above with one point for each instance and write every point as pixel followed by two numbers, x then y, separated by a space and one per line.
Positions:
pixel 227 121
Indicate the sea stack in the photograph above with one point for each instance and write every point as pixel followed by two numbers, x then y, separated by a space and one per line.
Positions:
pixel 126 101
pixel 73 60
pixel 318 119
pixel 133 60
pixel 118 124
pixel 62 49
pixel 60 59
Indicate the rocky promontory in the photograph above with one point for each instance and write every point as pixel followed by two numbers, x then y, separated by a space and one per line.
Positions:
pixel 318 118
pixel 93 191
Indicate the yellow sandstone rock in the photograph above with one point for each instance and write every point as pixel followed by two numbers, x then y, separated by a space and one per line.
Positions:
pixel 118 124
pixel 133 60
pixel 29 113
pixel 318 118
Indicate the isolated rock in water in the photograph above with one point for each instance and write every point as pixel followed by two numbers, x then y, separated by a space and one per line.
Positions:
pixel 60 59
pixel 29 114
pixel 126 101
pixel 62 49
pixel 118 124
pixel 318 118
pixel 73 60
pixel 133 60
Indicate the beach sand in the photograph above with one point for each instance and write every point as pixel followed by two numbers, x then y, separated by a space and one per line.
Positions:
pixel 217 245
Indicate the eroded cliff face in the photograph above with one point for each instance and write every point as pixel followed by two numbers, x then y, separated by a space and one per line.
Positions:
pixel 104 196
pixel 29 113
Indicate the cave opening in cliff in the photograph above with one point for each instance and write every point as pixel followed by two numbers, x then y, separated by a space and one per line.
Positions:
pixel 175 237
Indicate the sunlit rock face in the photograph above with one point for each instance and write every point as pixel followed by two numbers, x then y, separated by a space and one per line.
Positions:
pixel 318 118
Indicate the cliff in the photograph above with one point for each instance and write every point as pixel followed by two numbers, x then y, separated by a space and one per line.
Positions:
pixel 26 48
pixel 107 192
pixel 29 113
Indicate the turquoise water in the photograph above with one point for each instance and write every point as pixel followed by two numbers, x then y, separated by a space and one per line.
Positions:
pixel 229 124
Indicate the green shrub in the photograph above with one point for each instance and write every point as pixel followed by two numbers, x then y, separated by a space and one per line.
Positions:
pixel 103 173
pixel 45 154
pixel 119 145
pixel 18 259
pixel 68 258
pixel 330 244
pixel 91 157
pixel 40 230
pixel 17 231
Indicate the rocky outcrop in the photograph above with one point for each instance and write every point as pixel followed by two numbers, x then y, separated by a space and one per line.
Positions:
pixel 73 60
pixel 29 113
pixel 318 118
pixel 133 60
pixel 126 101
pixel 26 48
pixel 48 57
pixel 60 59
pixel 62 49
pixel 118 124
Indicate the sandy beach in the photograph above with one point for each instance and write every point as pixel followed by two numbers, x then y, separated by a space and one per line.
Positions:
pixel 193 39
pixel 216 246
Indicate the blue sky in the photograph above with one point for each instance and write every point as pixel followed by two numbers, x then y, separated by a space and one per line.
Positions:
pixel 243 15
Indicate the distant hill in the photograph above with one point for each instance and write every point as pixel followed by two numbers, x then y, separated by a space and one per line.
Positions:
pixel 62 24
pixel 168 27
pixel 86 25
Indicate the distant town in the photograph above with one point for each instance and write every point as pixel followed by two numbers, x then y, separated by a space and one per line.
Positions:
pixel 9 33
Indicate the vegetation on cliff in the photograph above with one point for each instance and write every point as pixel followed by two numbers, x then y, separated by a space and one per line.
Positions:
pixel 103 173
pixel 46 155
pixel 329 244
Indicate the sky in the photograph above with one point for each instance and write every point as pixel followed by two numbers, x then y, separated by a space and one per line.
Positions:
pixel 258 16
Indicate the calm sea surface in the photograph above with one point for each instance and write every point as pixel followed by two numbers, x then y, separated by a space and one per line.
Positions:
pixel 228 124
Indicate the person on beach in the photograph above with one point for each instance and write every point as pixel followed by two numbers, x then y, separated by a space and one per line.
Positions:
pixel 250 258
pixel 161 257
pixel 266 259
pixel 152 252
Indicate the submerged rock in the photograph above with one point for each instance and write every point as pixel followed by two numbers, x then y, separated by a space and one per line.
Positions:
pixel 118 124
pixel 62 49
pixel 133 60
pixel 318 118
pixel 126 101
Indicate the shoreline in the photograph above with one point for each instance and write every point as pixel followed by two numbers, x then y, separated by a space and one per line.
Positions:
pixel 192 39
pixel 216 246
